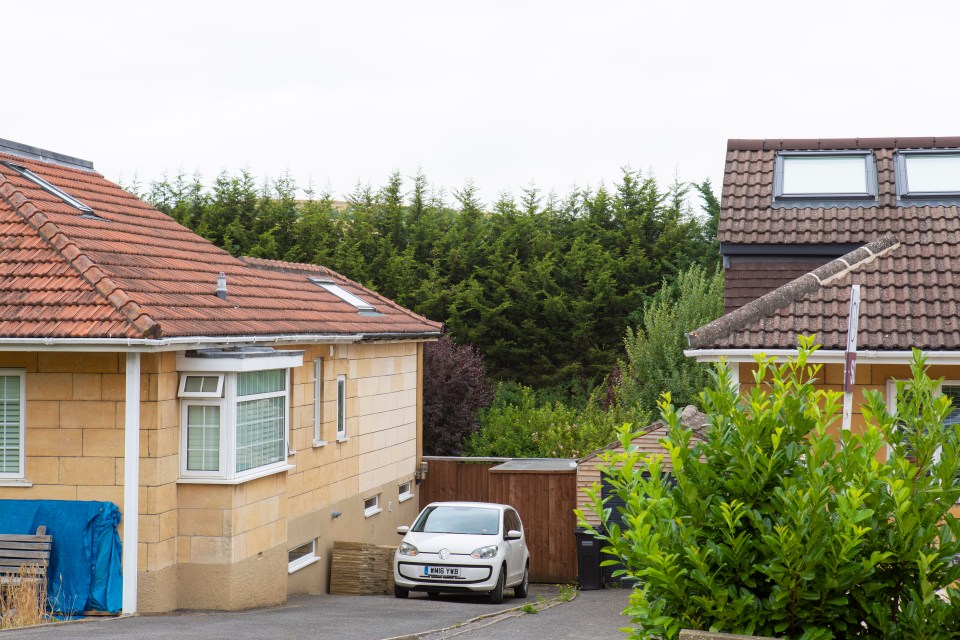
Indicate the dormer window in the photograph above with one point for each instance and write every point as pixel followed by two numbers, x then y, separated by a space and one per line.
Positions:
pixel 928 174
pixel 825 176
pixel 343 294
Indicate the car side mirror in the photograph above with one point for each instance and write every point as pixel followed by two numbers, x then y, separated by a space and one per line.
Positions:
pixel 513 534
pixel 403 530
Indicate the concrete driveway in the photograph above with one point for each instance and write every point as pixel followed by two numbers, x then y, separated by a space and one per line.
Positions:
pixel 341 617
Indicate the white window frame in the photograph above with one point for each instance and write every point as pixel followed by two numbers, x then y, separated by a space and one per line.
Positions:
pixel 19 475
pixel 183 393
pixel 341 408
pixel 405 491
pixel 306 560
pixel 318 440
pixel 371 506
pixel 228 430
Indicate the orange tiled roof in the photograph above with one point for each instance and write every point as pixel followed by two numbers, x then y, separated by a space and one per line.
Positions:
pixel 139 274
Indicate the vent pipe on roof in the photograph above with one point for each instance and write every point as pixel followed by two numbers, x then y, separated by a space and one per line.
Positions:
pixel 222 286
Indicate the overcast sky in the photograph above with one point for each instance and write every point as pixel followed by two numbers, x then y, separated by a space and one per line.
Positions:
pixel 501 93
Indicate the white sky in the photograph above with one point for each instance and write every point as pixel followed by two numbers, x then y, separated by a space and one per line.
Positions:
pixel 500 92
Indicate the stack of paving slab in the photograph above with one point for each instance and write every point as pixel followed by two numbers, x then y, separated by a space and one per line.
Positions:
pixel 361 569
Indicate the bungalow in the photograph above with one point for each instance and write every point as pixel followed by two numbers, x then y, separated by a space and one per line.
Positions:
pixel 803 220
pixel 242 413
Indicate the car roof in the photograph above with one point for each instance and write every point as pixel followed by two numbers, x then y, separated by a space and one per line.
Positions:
pixel 487 505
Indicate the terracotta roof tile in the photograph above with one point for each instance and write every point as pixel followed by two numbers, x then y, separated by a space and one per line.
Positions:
pixel 136 272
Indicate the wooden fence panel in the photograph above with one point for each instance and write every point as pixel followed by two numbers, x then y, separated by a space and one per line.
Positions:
pixel 545 502
pixel 544 499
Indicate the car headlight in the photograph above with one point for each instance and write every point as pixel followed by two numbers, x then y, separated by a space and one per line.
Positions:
pixel 485 552
pixel 407 549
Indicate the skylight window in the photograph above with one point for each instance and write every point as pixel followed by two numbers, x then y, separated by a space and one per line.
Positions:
pixel 343 294
pixel 825 175
pixel 49 188
pixel 925 174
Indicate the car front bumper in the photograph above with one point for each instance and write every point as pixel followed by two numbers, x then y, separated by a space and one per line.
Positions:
pixel 421 576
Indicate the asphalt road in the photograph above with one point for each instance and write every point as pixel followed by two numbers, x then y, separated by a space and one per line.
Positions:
pixel 593 614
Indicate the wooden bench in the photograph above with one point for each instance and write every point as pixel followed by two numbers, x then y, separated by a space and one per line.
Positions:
pixel 24 557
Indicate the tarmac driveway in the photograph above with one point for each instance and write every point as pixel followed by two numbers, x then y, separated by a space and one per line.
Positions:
pixel 341 617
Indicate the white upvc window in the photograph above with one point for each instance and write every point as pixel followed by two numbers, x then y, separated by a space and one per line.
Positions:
pixel 371 506
pixel 318 440
pixel 405 491
pixel 201 385
pixel 12 425
pixel 302 556
pixel 240 435
pixel 341 407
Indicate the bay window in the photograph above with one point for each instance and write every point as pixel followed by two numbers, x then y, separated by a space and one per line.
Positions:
pixel 235 420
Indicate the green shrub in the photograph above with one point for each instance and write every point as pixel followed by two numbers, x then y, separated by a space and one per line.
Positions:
pixel 529 428
pixel 776 527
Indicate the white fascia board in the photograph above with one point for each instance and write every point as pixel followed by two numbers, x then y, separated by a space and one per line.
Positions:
pixel 823 356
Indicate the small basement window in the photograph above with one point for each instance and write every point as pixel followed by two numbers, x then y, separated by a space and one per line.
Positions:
pixel 371 506
pixel 302 556
pixel 825 175
pixel 928 173
pixel 404 491
pixel 331 286
pixel 52 190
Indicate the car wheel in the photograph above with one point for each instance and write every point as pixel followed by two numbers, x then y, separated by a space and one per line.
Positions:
pixel 433 594
pixel 496 596
pixel 521 590
pixel 400 592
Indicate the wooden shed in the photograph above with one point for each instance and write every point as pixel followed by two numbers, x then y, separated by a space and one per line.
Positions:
pixel 588 472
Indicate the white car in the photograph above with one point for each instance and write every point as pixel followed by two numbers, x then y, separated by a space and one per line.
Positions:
pixel 463 547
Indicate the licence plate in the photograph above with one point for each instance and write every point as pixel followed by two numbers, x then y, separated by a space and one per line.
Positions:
pixel 441 572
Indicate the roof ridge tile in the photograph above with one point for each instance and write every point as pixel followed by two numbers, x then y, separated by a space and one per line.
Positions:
pixel 793 291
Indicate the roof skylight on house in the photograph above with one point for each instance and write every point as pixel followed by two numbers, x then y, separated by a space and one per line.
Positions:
pixel 925 173
pixel 825 175
pixel 340 292
pixel 49 188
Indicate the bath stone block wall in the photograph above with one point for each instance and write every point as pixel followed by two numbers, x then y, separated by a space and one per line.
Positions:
pixel 74 416
pixel 231 546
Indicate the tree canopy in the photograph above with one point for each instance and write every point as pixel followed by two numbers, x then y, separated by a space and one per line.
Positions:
pixel 544 286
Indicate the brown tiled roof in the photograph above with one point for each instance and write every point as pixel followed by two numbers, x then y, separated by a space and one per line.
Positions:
pixel 748 217
pixel 137 273
pixel 910 297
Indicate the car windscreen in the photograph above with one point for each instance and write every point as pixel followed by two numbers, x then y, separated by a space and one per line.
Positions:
pixel 467 520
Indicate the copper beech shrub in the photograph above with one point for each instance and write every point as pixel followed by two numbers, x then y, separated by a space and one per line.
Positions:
pixel 775 527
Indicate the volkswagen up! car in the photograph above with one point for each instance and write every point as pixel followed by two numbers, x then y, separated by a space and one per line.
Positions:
pixel 463 547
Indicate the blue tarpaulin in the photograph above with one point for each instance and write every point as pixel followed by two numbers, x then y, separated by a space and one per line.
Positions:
pixel 84 572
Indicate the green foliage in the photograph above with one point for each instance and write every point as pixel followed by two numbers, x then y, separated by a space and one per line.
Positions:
pixel 525 427
pixel 542 286
pixel 778 526
pixel 654 351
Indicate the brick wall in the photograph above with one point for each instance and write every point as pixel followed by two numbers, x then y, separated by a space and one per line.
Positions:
pixel 749 279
